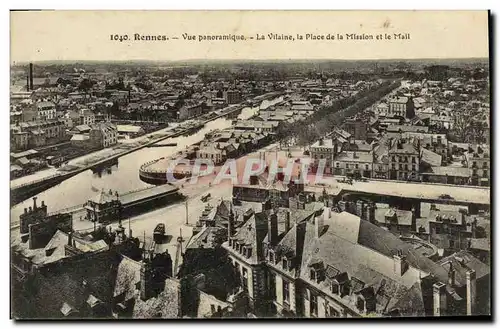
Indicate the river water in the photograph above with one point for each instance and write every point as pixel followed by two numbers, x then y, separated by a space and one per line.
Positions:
pixel 124 176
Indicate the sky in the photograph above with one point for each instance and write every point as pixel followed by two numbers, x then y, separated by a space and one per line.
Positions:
pixel 86 35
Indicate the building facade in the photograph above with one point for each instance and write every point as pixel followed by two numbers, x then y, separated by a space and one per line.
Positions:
pixel 404 159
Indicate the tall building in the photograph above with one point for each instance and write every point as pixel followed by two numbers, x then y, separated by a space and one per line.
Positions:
pixel 404 159
pixel 103 134
pixel 402 106
pixel 325 264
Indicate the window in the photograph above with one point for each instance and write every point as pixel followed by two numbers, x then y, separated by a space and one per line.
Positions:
pixel 406 167
pixel 244 279
pixel 400 166
pixel 393 159
pixel 271 256
pixel 438 230
pixel 284 262
pixel 393 166
pixel 406 159
pixel 356 166
pixel 249 252
pixel 333 313
pixel 337 164
pixel 286 291
pixel 313 305
pixel 485 173
pixel 413 167
pixel 367 167
pixel 485 165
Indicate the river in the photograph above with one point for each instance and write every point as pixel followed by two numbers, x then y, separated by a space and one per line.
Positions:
pixel 123 176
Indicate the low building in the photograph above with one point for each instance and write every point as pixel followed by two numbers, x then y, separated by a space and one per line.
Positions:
pixel 447 175
pixel 190 111
pixel 103 134
pixel 104 207
pixel 354 163
pixel 129 130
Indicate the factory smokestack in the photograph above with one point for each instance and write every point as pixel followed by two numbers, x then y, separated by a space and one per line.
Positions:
pixel 31 76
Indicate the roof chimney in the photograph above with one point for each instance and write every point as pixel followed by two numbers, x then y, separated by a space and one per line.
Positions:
pixel 230 224
pixel 439 298
pixel 146 274
pixel 470 277
pixel 34 202
pixel 70 239
pixel 451 276
pixel 400 263
pixel 319 221
pixel 272 228
pixel 287 220
pixel 31 76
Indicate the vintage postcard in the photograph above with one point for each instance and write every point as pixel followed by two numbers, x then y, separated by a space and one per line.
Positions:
pixel 250 164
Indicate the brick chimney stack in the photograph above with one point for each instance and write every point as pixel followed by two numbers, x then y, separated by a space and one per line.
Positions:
pixel 287 220
pixel 272 228
pixel 439 299
pixel 470 277
pixel 31 76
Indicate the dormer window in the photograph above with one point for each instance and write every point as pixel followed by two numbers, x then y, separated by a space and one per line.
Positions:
pixel 284 263
pixel 335 288
pixel 316 272
pixel 360 304
pixel 249 252
pixel 271 256
pixel 313 275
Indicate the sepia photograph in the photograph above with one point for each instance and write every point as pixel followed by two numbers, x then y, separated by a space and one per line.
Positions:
pixel 250 164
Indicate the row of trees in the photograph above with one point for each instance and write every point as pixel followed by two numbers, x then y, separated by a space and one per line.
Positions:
pixel 322 122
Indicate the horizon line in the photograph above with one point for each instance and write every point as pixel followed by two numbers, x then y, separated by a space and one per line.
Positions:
pixel 252 60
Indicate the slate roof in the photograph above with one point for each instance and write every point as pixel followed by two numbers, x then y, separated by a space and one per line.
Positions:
pixel 208 237
pixel 364 252
pixel 165 305
pixel 462 262
pixel 127 277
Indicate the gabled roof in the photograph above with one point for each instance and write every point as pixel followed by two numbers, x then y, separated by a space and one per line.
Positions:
pixel 252 234
pixel 103 197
